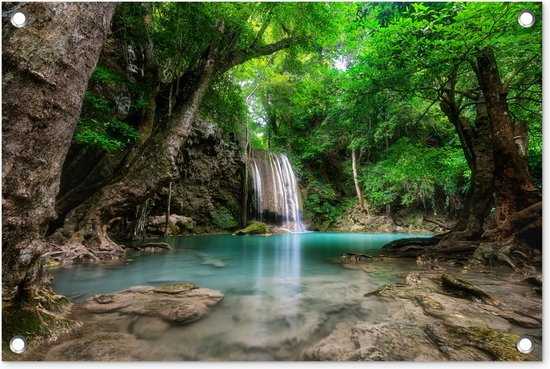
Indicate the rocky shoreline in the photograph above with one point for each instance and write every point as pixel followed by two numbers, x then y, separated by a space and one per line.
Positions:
pixel 117 326
pixel 438 312
pixel 442 313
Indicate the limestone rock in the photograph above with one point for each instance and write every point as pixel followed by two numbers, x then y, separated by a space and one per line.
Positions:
pixel 464 288
pixel 253 228
pixel 153 247
pixel 149 327
pixel 491 344
pixel 104 346
pixel 177 224
pixel 180 303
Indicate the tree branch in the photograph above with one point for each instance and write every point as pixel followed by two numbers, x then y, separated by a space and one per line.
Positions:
pixel 469 94
pixel 506 85
pixel 240 57
pixel 264 27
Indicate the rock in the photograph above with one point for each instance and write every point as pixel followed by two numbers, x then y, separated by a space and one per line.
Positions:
pixel 351 257
pixel 179 303
pixel 148 328
pixel 177 224
pixel 431 307
pixel 488 343
pixel 413 279
pixel 210 164
pixel 278 230
pixel 104 299
pixel 214 261
pixel 174 289
pixel 154 247
pixel 375 342
pixel 105 346
pixel 253 228
pixel 463 288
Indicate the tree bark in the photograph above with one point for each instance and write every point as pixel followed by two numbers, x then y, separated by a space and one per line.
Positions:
pixel 86 226
pixel 477 146
pixel 46 67
pixel 356 181
pixel 514 189
pixel 518 202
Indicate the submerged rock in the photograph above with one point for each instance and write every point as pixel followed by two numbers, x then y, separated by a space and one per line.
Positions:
pixel 104 346
pixel 434 316
pixel 179 303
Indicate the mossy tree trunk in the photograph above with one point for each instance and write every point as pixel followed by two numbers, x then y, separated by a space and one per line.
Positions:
pixel 46 67
pixel 477 147
pixel 514 188
pixel 499 171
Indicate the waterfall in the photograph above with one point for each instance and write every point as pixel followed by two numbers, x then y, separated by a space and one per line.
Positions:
pixel 275 198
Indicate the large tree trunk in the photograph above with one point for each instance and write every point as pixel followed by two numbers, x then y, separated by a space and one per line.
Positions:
pixel 86 169
pixel 514 189
pixel 519 208
pixel 46 67
pixel 477 146
pixel 84 234
pixel 476 143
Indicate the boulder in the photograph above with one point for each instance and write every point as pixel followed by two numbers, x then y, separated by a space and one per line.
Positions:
pixel 254 228
pixel 174 304
pixel 153 247
pixel 177 224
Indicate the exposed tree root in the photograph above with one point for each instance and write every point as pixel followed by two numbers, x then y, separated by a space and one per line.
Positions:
pixel 91 245
pixel 514 243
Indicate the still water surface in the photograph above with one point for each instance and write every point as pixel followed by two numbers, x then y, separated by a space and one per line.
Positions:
pixel 282 292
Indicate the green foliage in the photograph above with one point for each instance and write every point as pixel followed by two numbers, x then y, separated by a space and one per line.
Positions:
pixel 98 126
pixel 413 173
pixel 97 103
pixel 535 156
pixel 224 105
pixel 105 76
pixel 223 218
pixel 385 105
pixel 323 205
pixel 109 135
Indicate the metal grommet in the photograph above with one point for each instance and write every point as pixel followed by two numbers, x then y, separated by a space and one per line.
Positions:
pixel 526 18
pixel 18 344
pixel 525 344
pixel 19 18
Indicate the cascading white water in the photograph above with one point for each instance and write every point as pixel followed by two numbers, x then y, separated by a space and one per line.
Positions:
pixel 276 198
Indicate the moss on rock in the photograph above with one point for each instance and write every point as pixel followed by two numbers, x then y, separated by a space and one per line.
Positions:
pixel 175 288
pixel 253 228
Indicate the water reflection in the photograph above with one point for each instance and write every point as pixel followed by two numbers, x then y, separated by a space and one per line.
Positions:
pixel 280 291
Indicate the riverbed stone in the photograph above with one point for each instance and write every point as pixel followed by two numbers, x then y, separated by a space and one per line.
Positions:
pixel 149 327
pixel 104 346
pixel 432 315
pixel 174 304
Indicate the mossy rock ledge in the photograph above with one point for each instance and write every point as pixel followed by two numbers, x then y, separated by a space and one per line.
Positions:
pixel 258 228
pixel 174 304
